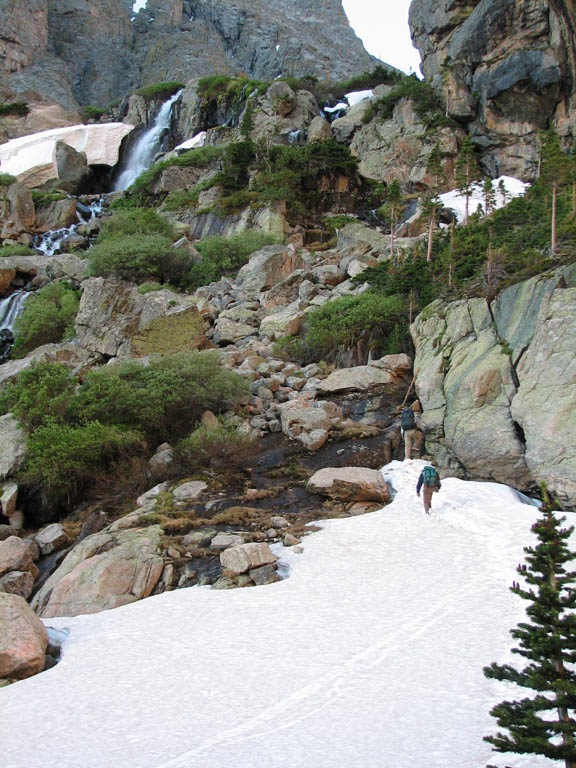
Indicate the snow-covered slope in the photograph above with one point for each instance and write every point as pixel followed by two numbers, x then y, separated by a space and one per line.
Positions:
pixel 369 653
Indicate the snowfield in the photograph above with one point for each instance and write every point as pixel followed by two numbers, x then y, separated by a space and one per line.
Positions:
pixel 456 201
pixel 369 653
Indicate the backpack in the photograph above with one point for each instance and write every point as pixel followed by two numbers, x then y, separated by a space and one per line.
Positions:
pixel 431 477
pixel 408 420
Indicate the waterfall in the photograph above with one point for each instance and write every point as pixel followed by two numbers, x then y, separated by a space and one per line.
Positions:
pixel 143 152
pixel 51 241
pixel 10 308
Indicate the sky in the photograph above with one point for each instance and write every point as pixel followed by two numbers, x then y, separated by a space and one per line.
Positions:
pixel 369 652
pixel 383 28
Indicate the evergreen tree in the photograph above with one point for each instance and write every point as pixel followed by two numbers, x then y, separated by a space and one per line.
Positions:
pixel 489 197
pixel 466 172
pixel 392 208
pixel 435 170
pixel 554 171
pixel 503 192
pixel 544 724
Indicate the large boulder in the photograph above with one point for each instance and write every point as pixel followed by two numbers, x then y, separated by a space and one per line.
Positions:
pixel 105 570
pixel 16 555
pixel 115 319
pixel 17 215
pixel 245 557
pixel 23 639
pixel 267 267
pixel 34 159
pixel 13 441
pixel 350 484
pixel 380 375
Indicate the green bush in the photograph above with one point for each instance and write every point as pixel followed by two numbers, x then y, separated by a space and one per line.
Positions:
pixel 203 157
pixel 161 400
pixel 41 392
pixel 138 258
pixel 225 255
pixel 213 86
pixel 151 287
pixel 374 322
pixel 47 317
pixel 64 460
pixel 44 199
pixel 6 179
pixel 138 221
pixel 14 108
pixel 15 249
pixel 427 102
pixel 159 90
pixel 90 112
pixel 220 447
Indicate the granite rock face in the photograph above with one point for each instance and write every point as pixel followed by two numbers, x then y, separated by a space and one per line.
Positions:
pixel 507 67
pixel 496 382
pixel 75 52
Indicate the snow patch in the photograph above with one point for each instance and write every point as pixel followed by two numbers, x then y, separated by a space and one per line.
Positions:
pixel 138 5
pixel 194 143
pixel 355 97
pixel 369 654
pixel 456 202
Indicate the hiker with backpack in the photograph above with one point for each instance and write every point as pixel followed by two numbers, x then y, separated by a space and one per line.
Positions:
pixel 411 430
pixel 429 482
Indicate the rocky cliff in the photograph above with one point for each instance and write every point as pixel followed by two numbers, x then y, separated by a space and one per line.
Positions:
pixel 507 67
pixel 496 381
pixel 94 53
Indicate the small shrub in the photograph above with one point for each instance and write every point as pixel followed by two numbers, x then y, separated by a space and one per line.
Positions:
pixel 203 157
pixel 61 459
pixel 15 249
pixel 213 86
pixel 139 221
pixel 47 317
pixel 90 112
pixel 138 258
pixel 224 255
pixel 41 392
pixel 376 322
pixel 159 90
pixel 150 287
pixel 19 108
pixel 44 199
pixel 220 447
pixel 160 400
pixel 6 179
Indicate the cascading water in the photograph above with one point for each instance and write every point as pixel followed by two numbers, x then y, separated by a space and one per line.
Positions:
pixel 10 308
pixel 50 242
pixel 147 146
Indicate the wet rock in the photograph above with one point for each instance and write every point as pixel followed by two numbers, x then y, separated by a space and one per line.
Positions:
pixel 266 574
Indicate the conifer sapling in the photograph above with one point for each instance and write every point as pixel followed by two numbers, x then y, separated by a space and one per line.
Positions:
pixel 543 724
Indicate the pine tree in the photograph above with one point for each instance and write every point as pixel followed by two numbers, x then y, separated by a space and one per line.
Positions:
pixel 554 171
pixel 544 724
pixel 466 172
pixel 489 197
pixel 435 169
pixel 392 209
pixel 503 192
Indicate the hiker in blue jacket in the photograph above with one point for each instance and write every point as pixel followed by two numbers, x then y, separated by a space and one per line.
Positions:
pixel 429 481
pixel 411 430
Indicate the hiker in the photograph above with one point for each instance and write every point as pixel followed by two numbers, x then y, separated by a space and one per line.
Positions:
pixel 411 430
pixel 429 481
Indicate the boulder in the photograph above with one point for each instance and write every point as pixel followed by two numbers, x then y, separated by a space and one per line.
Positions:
pixel 17 583
pixel 224 541
pixel 56 215
pixel 18 215
pixel 149 497
pixel 189 491
pixel 246 557
pixel 266 574
pixel 114 319
pixel 361 378
pixel 319 130
pixel 284 322
pixel 228 332
pixel 71 166
pixel 266 268
pixel 51 538
pixel 161 460
pixel 105 570
pixel 350 484
pixel 33 159
pixel 23 638
pixel 8 499
pixel 15 555
pixel 198 539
